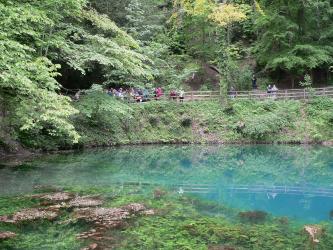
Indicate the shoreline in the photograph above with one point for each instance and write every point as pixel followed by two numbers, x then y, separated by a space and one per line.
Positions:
pixel 30 154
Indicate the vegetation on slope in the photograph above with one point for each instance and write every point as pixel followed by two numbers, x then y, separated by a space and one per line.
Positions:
pixel 110 122
pixel 50 45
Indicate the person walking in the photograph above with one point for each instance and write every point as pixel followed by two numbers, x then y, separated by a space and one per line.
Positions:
pixel 232 92
pixel 181 95
pixel 254 82
pixel 274 91
pixel 269 90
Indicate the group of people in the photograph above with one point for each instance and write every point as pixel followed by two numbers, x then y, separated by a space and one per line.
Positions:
pixel 143 95
pixel 180 94
pixel 271 90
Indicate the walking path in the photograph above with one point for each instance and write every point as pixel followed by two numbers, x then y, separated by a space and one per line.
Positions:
pixel 285 94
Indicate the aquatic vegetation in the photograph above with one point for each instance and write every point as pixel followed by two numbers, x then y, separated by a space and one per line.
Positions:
pixel 253 216
pixel 283 220
pixel 159 193
pixel 130 198
pixel 174 223
pixel 55 197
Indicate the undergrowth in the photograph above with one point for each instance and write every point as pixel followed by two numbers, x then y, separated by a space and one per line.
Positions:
pixel 238 121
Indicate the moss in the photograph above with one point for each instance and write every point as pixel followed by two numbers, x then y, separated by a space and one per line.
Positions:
pixel 9 205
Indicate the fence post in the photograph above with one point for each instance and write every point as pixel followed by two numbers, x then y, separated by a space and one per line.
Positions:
pixel 192 95
pixel 304 94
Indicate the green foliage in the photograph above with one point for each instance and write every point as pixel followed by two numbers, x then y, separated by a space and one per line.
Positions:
pixel 261 121
pixel 34 35
pixel 27 81
pixel 238 121
pixel 289 39
pixel 186 122
pixel 150 43
pixel 261 126
pixel 320 111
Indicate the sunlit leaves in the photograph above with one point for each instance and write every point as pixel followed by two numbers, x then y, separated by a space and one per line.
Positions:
pixel 226 14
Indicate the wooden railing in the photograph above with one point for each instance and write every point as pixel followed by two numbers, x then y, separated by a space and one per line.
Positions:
pixel 295 94
pixel 201 95
pixel 286 94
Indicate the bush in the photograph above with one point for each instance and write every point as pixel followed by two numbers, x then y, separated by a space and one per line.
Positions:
pixel 261 126
pixel 186 122
pixel 153 120
pixel 229 109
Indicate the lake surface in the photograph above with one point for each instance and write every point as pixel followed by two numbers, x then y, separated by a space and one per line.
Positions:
pixel 285 181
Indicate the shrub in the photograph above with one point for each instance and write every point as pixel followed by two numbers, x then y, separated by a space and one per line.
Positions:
pixel 229 109
pixel 186 122
pixel 153 120
pixel 260 126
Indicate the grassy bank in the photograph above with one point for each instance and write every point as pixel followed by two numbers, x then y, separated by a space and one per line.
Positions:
pixel 110 122
pixel 105 121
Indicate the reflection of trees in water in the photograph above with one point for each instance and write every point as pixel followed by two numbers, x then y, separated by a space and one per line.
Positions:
pixel 257 165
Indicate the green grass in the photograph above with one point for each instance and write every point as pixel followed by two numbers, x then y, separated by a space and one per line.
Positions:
pixel 239 121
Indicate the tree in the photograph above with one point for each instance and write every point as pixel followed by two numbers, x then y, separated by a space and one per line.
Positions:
pixel 36 34
pixel 289 40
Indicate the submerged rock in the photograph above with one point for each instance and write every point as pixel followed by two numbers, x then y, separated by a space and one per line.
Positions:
pixel 134 207
pixel 86 201
pixel 67 200
pixel 59 196
pixel 7 235
pixel 148 212
pixel 314 232
pixel 53 198
pixel 92 246
pixel 30 214
pixel 107 218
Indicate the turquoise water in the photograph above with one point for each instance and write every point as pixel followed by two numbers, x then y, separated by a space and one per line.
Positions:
pixel 292 181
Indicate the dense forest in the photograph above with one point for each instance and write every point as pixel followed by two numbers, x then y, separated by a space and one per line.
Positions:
pixel 50 47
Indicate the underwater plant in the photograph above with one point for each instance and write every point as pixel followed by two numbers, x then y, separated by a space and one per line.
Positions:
pixel 253 216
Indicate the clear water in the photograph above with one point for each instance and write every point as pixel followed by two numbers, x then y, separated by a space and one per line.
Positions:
pixel 292 181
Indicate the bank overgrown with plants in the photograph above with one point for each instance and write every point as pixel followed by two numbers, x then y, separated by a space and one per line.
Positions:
pixel 105 121
pixel 49 46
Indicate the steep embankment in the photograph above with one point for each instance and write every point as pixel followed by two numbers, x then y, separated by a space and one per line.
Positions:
pixel 206 122
pixel 105 121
